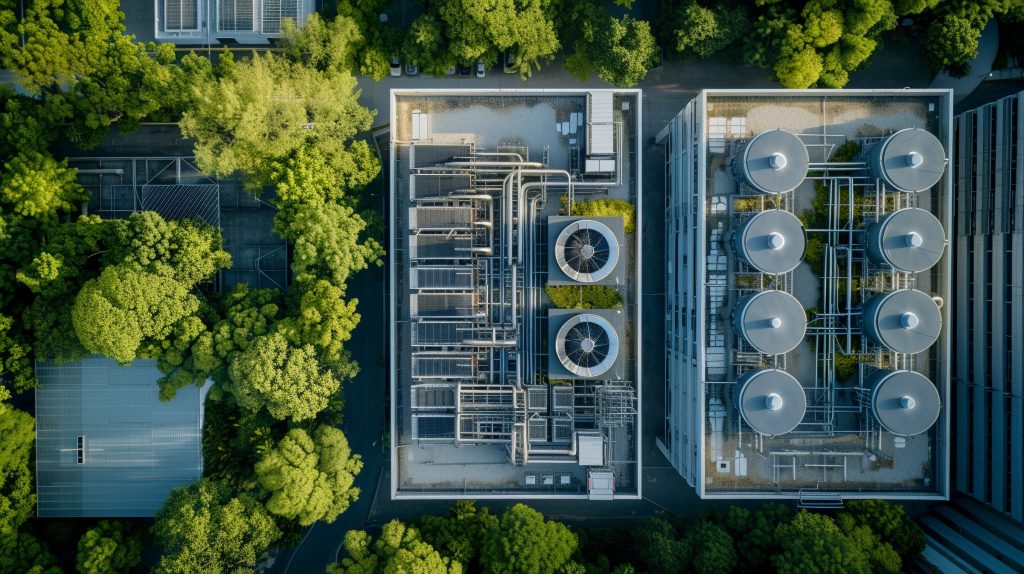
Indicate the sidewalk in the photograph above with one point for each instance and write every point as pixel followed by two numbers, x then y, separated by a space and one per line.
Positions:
pixel 981 67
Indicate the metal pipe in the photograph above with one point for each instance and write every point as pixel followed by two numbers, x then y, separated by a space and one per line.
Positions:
pixel 475 164
pixel 499 154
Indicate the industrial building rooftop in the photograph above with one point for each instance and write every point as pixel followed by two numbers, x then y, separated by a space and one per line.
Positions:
pixel 505 207
pixel 808 274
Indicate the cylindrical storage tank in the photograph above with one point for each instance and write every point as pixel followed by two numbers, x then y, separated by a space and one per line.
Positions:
pixel 772 241
pixel 771 402
pixel 910 240
pixel 904 402
pixel 773 162
pixel 773 322
pixel 909 160
pixel 904 321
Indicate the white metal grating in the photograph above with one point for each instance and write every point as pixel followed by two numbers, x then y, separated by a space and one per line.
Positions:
pixel 235 15
pixel 276 11
pixel 181 15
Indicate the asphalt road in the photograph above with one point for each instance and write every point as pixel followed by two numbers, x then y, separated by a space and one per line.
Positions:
pixel 666 90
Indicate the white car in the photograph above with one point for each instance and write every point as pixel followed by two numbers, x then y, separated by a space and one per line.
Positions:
pixel 396 67
pixel 480 71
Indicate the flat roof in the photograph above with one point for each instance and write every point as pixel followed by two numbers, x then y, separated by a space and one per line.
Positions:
pixel 477 183
pixel 105 443
pixel 841 445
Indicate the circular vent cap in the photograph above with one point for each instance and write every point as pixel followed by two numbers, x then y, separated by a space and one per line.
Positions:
pixel 586 251
pixel 587 345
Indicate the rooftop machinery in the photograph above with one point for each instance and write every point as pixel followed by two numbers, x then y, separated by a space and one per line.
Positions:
pixel 476 274
pixel 876 244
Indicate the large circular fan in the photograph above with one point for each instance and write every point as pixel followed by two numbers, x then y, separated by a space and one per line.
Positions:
pixel 586 250
pixel 587 345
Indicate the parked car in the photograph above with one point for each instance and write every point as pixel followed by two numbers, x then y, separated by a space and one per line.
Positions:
pixel 396 67
pixel 412 70
pixel 480 71
pixel 451 71
pixel 509 65
pixel 465 70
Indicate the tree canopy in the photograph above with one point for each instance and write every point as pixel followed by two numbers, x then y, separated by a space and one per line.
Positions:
pixel 110 547
pixel 398 549
pixel 310 477
pixel 265 108
pixel 287 380
pixel 525 543
pixel 206 528
pixel 620 51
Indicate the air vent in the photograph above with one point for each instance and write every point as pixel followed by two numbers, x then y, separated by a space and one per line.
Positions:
pixel 586 251
pixel 587 345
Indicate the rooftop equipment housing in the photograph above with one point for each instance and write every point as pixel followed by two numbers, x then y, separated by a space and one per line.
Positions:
pixel 910 240
pixel 905 403
pixel 774 161
pixel 773 322
pixel 909 160
pixel 772 241
pixel 585 345
pixel 586 250
pixel 771 401
pixel 904 321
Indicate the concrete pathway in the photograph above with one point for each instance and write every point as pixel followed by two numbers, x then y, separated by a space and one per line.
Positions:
pixel 980 69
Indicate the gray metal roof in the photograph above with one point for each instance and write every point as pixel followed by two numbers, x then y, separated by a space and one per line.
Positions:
pixel 905 403
pixel 910 240
pixel 773 322
pixel 906 321
pixel 909 160
pixel 772 241
pixel 775 161
pixel 771 401
pixel 135 447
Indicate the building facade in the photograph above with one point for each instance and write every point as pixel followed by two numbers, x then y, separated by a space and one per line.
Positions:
pixel 989 305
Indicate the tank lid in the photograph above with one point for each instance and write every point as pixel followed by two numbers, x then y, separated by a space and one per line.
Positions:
pixel 775 161
pixel 773 322
pixel 905 402
pixel 772 402
pixel 772 241
pixel 906 321
pixel 912 159
pixel 910 239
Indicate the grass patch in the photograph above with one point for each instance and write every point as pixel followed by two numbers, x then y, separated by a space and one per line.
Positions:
pixel 584 296
pixel 603 208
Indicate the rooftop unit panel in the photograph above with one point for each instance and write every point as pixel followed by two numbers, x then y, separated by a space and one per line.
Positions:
pixel 600 132
pixel 442 218
pixel 235 15
pixel 433 397
pixel 442 304
pixel 426 427
pixel 459 366
pixel 181 15
pixel 427 185
pixel 439 247
pixel 433 333
pixel 442 278
pixel 424 155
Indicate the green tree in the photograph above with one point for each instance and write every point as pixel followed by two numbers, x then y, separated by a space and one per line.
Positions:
pixel 325 320
pixel 753 534
pixel 288 381
pixel 800 66
pixel 37 186
pixel 700 31
pixel 233 439
pixel 620 51
pixel 460 533
pixel 327 241
pixel 399 549
pixel 327 46
pixel 205 528
pixel 891 523
pixel 17 501
pixel 23 553
pixel 952 43
pixel 712 548
pixel 112 546
pixel 313 176
pixel 483 29
pixel 657 548
pixel 125 308
pixel 525 543
pixel 187 251
pixel 262 110
pixel 16 359
pixel 813 544
pixel 427 45
pixel 310 478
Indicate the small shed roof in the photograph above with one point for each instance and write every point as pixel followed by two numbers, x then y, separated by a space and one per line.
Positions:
pixel 106 445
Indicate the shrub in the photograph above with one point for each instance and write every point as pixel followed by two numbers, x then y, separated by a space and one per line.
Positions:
pixel 584 296
pixel 603 208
